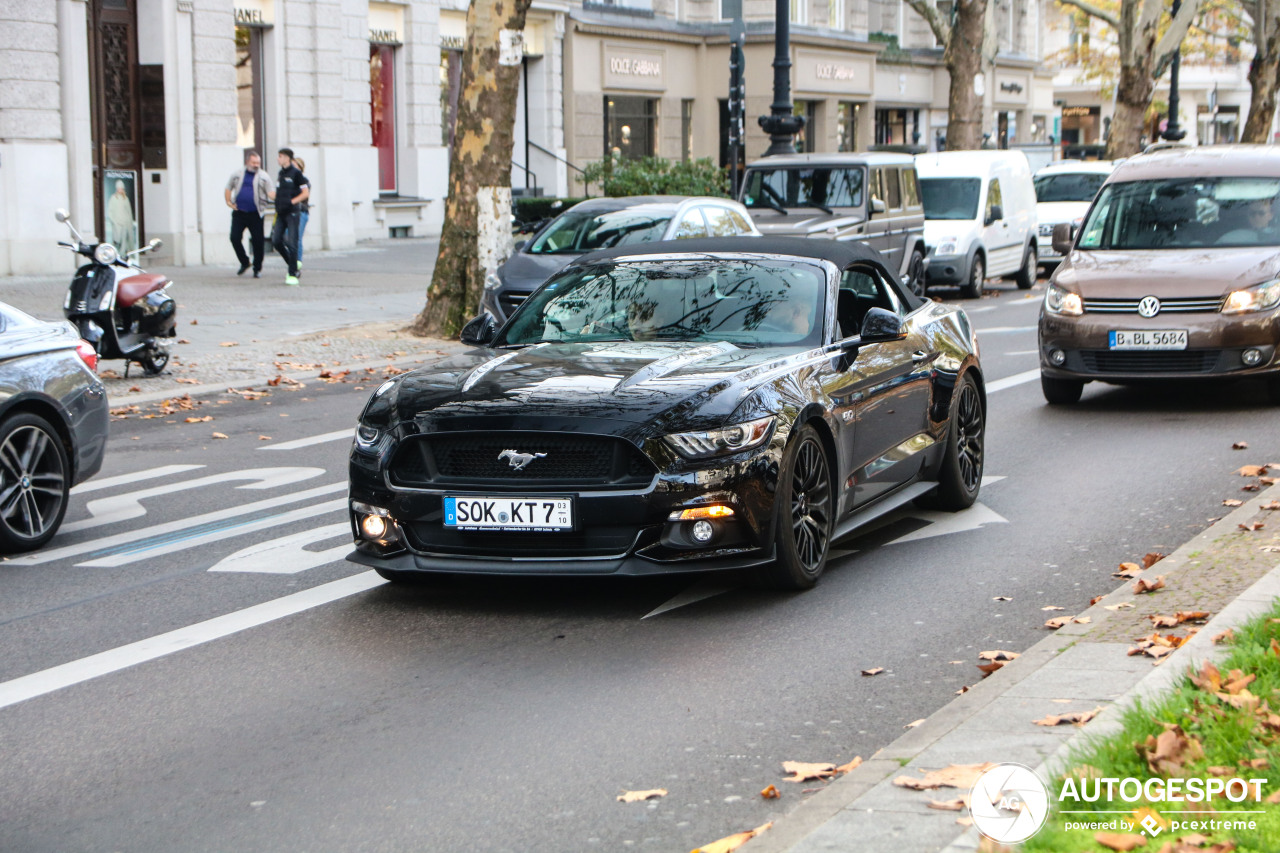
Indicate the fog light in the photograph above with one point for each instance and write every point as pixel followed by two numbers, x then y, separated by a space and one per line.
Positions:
pixel 373 526
pixel 1057 357
pixel 1251 357
pixel 703 531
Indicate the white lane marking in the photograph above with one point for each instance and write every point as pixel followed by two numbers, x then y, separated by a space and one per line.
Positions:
pixel 104 663
pixel 998 329
pixel 1023 352
pixel 1015 379
pixel 145 551
pixel 988 479
pixel 944 523
pixel 315 439
pixel 126 479
pixel 129 505
pixel 698 592
pixel 107 542
pixel 287 555
pixel 1033 300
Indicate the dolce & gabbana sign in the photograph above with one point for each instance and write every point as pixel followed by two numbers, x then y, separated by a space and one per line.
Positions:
pixel 627 67
pixel 833 72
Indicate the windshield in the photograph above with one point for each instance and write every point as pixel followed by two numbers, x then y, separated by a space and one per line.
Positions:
pixel 822 186
pixel 748 302
pixel 574 233
pixel 950 198
pixel 1184 212
pixel 1069 186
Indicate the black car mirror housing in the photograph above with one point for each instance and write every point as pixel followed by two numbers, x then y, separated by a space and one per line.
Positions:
pixel 479 331
pixel 995 214
pixel 1064 237
pixel 881 325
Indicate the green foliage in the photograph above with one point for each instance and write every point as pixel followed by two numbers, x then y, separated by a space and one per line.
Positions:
pixel 657 176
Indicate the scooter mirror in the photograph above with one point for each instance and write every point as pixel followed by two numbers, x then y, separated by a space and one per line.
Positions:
pixel 61 215
pixel 154 244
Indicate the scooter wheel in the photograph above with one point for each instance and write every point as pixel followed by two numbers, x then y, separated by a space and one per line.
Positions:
pixel 154 361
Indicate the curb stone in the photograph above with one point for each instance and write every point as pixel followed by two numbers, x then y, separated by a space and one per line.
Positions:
pixel 863 812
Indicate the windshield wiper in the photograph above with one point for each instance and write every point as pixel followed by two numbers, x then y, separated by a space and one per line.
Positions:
pixel 828 211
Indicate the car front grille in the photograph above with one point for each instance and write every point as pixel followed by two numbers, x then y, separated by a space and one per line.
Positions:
pixel 1194 304
pixel 511 301
pixel 1162 361
pixel 1046 229
pixel 597 541
pixel 481 459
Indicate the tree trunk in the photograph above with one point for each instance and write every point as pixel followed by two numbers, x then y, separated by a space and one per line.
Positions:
pixel 1128 124
pixel 476 237
pixel 963 60
pixel 1264 73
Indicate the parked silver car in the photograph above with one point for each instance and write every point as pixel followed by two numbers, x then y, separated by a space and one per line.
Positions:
pixel 53 425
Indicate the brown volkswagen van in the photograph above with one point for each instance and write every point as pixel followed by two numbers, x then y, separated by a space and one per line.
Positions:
pixel 1174 273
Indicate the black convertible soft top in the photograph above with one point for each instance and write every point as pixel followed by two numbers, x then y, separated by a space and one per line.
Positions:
pixel 839 252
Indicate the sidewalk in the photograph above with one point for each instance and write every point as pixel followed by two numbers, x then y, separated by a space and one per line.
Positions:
pixel 1077 668
pixel 235 331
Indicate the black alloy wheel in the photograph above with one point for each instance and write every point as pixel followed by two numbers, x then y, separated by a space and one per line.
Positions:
pixel 806 504
pixel 915 273
pixel 35 482
pixel 1026 276
pixel 1061 392
pixel 960 477
pixel 977 277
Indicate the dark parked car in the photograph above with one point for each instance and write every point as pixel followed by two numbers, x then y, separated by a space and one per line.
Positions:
pixel 1175 274
pixel 53 425
pixel 604 223
pixel 715 404
pixel 873 198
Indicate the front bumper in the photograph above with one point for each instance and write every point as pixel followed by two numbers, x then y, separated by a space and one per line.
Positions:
pixel 947 269
pixel 617 532
pixel 1216 346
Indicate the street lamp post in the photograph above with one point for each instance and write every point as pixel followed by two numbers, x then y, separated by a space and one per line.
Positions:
pixel 1172 131
pixel 780 124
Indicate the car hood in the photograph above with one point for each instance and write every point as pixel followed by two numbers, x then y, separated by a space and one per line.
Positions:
pixel 1053 212
pixel 1167 273
pixel 613 386
pixel 526 272
pixel 801 222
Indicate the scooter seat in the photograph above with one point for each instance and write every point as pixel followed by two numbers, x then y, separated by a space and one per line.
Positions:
pixel 133 288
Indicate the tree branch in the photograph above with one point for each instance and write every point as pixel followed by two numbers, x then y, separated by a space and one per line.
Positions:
pixel 1093 11
pixel 929 11
pixel 1175 34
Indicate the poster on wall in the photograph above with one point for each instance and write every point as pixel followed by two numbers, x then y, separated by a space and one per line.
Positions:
pixel 120 189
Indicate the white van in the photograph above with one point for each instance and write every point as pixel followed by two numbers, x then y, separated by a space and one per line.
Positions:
pixel 1064 192
pixel 980 218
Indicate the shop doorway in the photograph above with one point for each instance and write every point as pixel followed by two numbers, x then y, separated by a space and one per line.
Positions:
pixel 115 125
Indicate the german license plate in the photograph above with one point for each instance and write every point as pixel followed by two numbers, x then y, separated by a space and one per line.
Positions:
pixel 477 512
pixel 1149 339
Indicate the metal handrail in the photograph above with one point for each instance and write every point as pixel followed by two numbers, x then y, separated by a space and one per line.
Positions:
pixel 528 173
pixel 556 156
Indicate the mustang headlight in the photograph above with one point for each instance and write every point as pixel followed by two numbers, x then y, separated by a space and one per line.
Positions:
pixel 367 437
pixel 106 254
pixel 716 442
pixel 1262 297
pixel 946 247
pixel 1059 301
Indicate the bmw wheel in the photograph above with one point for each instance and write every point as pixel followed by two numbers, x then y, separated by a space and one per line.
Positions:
pixel 1026 276
pixel 35 482
pixel 977 277
pixel 806 503
pixel 960 476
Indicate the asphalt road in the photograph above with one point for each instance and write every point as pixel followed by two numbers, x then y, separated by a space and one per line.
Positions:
pixel 191 666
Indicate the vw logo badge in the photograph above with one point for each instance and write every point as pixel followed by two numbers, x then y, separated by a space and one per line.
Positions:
pixel 1149 306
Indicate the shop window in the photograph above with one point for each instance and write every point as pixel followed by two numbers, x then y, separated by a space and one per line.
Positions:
pixel 730 10
pixel 847 125
pixel 835 14
pixel 897 127
pixel 800 12
pixel 382 98
pixel 1218 127
pixel 631 126
pixel 807 138
pixel 251 126
pixel 686 129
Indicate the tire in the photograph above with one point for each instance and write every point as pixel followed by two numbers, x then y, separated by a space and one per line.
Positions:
pixel 1026 276
pixel 153 361
pixel 1061 392
pixel 915 273
pixel 960 475
pixel 1273 390
pixel 972 289
pixel 806 504
pixel 35 482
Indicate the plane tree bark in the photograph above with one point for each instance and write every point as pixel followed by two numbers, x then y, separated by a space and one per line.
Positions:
pixel 476 236
pixel 963 40
pixel 1264 69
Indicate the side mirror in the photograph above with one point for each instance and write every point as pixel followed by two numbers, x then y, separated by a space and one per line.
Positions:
pixel 877 206
pixel 61 215
pixel 479 331
pixel 518 245
pixel 996 214
pixel 1064 237
pixel 880 325
pixel 155 243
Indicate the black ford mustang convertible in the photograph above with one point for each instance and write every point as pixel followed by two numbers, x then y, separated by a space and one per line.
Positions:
pixel 706 404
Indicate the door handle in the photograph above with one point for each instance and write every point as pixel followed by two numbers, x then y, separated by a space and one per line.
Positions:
pixel 919 356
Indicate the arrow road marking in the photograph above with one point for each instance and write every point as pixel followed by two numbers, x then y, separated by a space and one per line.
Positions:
pixel 698 592
pixel 55 678
pixel 315 439
pixel 107 543
pixel 126 479
pixel 155 548
pixel 129 505
pixel 943 523
pixel 286 555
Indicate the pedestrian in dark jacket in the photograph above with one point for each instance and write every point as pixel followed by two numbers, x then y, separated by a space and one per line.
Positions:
pixel 292 189
pixel 248 194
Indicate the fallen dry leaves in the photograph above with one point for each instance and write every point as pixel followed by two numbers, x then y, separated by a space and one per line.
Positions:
pixel 732 842
pixel 873 671
pixel 1230 688
pixel 1178 618
pixel 186 380
pixel 1227 636
pixel 1253 470
pixel 195 420
pixel 1232 502
pixel 914 723
pixel 219 435
pixel 1121 841
pixel 998 655
pixel 771 793
pixel 1124 605
pixel 952 776
pixel 1128 570
pixel 1142 585
pixel 640 796
pixel 1078 718
pixel 958 804
pixel 1195 843
pixel 1240 445
pixel 1157 646
pixel 1053 607
pixel 1271 505
pixel 1057 622
pixel 804 771
pixel 1252 525
pixel 1149 560
pixel 1166 753
pixel 1002 598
